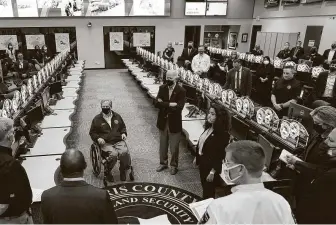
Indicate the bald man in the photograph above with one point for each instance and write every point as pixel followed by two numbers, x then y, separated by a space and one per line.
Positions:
pixel 74 201
pixel 15 191
pixel 170 101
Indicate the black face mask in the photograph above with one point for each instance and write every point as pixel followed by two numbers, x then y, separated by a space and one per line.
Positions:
pixel 106 110
pixel 190 47
pixel 319 129
pixel 170 82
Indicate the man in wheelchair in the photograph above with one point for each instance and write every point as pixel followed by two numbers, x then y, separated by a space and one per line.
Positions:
pixel 109 131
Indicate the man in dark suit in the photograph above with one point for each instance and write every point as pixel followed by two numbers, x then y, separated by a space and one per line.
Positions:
pixel 170 100
pixel 74 201
pixel 329 55
pixel 325 89
pixel 239 79
pixel 297 52
pixel 189 53
pixel 21 66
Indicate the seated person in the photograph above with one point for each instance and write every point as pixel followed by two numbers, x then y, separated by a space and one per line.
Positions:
pixel 315 57
pixel 21 67
pixel 325 89
pixel 286 90
pixel 37 58
pixel 297 52
pixel 285 54
pixel 46 57
pixel 168 53
pixel 12 53
pixel 109 131
pixel 7 65
pixel 201 63
pixel 250 202
pixel 257 51
pixel 265 75
pixel 229 63
pixel 239 79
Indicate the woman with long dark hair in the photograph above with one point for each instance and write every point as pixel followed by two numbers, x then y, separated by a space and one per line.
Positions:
pixel 265 75
pixel 210 150
pixel 37 58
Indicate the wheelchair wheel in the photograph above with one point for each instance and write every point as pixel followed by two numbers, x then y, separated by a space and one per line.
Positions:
pixel 96 159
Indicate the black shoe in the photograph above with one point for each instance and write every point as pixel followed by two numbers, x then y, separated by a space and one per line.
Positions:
pixel 173 171
pixel 122 175
pixel 161 168
pixel 109 178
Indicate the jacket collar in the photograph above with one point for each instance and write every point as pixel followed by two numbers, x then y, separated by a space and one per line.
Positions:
pixel 78 183
pixel 5 150
pixel 102 116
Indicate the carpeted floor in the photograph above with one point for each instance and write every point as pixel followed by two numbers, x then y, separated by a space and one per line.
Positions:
pixel 140 116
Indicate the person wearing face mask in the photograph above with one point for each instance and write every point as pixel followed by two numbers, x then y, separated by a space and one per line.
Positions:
pixel 170 101
pixel 188 53
pixel 11 52
pixel 286 90
pixel 15 191
pixel 324 92
pixel 201 63
pixel 109 131
pixel 168 53
pixel 314 57
pixel 297 52
pixel 250 202
pixel 257 51
pixel 310 194
pixel 265 75
pixel 210 150
pixel 330 54
pixel 239 79
pixel 285 53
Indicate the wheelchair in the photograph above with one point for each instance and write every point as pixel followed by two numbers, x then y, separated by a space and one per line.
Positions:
pixel 99 159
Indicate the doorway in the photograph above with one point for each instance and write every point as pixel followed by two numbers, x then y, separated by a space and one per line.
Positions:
pixel 192 33
pixel 312 37
pixel 255 30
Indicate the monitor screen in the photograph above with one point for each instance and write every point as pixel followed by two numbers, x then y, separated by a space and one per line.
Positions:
pixel 239 129
pixel 206 7
pixel 191 94
pixel 35 115
pixel 45 96
pixel 84 8
pixel 55 88
pixel 268 149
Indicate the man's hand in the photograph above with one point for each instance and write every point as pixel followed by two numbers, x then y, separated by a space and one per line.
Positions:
pixel 159 100
pixel 277 107
pixel 101 141
pixel 210 177
pixel 123 136
pixel 290 160
pixel 172 104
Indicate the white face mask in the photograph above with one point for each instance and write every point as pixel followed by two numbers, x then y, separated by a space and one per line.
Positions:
pixel 226 174
pixel 266 62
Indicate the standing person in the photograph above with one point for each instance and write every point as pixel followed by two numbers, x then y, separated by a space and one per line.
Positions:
pixel 37 58
pixel 210 150
pixel 170 101
pixel 329 55
pixel 169 52
pixel 188 53
pixel 201 63
pixel 265 75
pixel 11 52
pixel 45 54
pixel 15 191
pixel 74 201
pixel 250 202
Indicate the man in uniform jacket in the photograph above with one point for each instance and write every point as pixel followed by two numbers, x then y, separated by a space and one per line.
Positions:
pixel 189 52
pixel 170 101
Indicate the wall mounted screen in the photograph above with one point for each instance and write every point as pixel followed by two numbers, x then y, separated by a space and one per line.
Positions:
pixel 84 8
pixel 206 7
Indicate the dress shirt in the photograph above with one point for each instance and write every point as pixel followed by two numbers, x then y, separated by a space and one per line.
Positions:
pixel 328 91
pixel 21 64
pixel 203 138
pixel 171 89
pixel 249 204
pixel 238 78
pixel 331 55
pixel 200 63
pixel 108 118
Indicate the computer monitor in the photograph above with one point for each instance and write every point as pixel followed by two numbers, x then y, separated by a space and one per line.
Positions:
pixel 239 129
pixel 298 112
pixel 268 149
pixel 35 115
pixel 205 104
pixel 55 88
pixel 45 95
pixel 191 94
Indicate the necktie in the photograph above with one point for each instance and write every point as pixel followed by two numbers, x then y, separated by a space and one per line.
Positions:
pixel 189 51
pixel 237 81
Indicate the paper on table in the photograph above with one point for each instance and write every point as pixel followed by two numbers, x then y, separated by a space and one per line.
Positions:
pixel 199 208
pixel 162 220
pixel 37 193
pixel 286 153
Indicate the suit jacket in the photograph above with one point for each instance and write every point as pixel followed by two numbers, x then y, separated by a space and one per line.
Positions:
pixel 320 86
pixel 77 202
pixel 299 54
pixel 172 114
pixel 213 151
pixel 326 54
pixel 245 84
pixel 186 56
pixel 22 70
